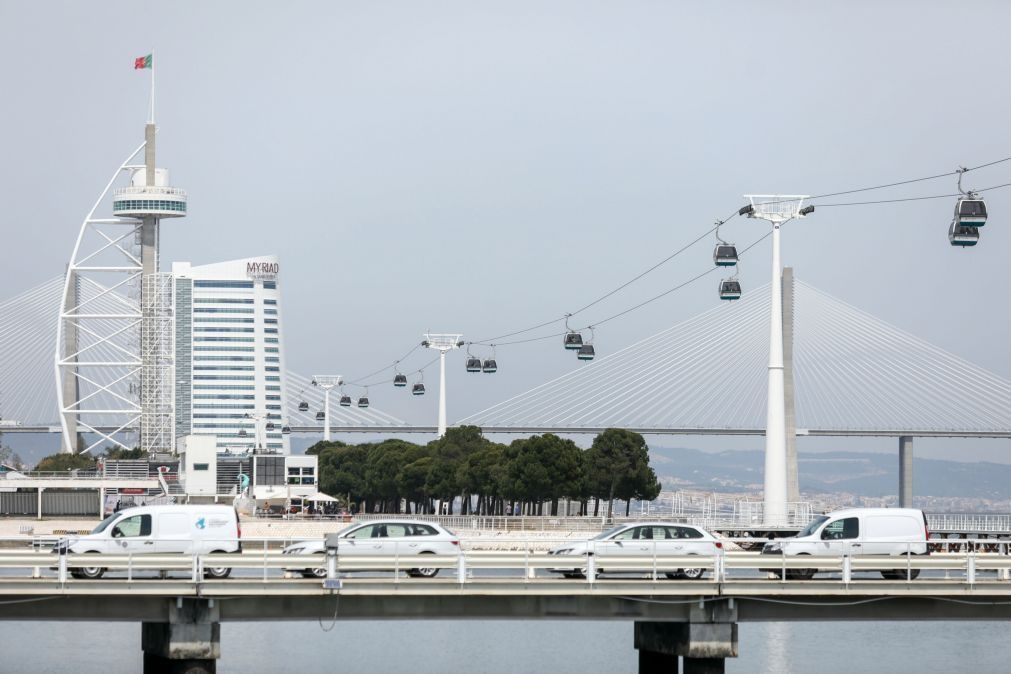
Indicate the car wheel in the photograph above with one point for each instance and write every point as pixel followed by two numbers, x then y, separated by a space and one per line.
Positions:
pixel 217 571
pixel 800 574
pixel 693 573
pixel 318 572
pixel 424 571
pixel 573 575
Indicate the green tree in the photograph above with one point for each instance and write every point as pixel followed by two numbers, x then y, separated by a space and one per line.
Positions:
pixel 9 457
pixel 448 453
pixel 618 465
pixel 342 470
pixel 63 462
pixel 120 454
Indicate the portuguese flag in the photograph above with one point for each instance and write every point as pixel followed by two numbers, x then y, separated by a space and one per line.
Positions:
pixel 142 62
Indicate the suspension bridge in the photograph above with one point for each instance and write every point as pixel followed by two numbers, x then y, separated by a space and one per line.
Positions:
pixel 852 375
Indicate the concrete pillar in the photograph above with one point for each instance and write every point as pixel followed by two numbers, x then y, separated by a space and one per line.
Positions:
pixel 703 643
pixel 189 643
pixel 38 512
pixel 906 471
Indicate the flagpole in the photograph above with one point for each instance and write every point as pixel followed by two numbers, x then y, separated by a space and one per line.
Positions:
pixel 151 115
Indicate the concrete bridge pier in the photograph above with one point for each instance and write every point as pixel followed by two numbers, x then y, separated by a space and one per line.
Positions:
pixel 906 471
pixel 704 643
pixel 189 643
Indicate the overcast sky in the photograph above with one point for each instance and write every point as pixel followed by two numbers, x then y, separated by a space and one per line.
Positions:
pixel 482 167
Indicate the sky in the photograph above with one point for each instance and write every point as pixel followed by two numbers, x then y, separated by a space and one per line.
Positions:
pixel 481 167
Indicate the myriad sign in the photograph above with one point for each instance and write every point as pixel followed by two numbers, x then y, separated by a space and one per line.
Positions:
pixel 262 271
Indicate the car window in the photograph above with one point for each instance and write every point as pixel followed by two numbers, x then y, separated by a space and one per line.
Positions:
pixel 131 527
pixel 364 532
pixel 396 530
pixel 688 532
pixel 626 535
pixel 421 530
pixel 644 533
pixel 843 529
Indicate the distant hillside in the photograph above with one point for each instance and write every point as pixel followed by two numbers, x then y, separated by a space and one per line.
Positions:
pixel 857 473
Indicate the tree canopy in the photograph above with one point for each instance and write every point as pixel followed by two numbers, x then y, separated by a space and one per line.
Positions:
pixel 486 477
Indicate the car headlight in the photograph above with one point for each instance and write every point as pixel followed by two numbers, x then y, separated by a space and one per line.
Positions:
pixel 293 551
pixel 773 547
pixel 562 551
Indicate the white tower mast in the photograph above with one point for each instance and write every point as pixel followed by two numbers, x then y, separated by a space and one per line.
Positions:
pixel 444 343
pixel 327 382
pixel 106 360
pixel 776 209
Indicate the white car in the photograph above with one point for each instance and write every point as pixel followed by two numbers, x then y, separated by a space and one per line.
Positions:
pixel 395 538
pixel 647 539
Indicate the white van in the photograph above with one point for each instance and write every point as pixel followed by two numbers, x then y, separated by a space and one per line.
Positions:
pixel 857 532
pixel 160 529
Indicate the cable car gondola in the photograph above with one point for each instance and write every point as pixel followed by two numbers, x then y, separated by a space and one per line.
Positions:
pixel 473 364
pixel 489 366
pixel 269 426
pixel 363 401
pixel 286 430
pixel 418 389
pixel 962 236
pixel 345 401
pixel 242 433
pixel 573 341
pixel 303 406
pixel 400 380
pixel 586 352
pixel 725 255
pixel 970 211
pixel 730 290
pixel 320 416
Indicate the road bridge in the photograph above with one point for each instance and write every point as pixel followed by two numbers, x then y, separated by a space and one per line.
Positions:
pixel 692 620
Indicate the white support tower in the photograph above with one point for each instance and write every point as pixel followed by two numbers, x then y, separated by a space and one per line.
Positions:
pixel 444 343
pixel 776 209
pixel 107 370
pixel 327 382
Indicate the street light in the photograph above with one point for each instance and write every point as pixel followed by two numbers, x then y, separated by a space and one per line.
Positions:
pixel 778 210
pixel 327 382
pixel 444 343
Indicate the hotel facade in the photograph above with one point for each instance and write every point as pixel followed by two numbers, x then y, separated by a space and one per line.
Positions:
pixel 229 354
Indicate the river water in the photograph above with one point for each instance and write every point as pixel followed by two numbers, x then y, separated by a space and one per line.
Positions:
pixel 514 647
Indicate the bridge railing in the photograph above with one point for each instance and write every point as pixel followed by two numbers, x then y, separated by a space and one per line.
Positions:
pixel 976 560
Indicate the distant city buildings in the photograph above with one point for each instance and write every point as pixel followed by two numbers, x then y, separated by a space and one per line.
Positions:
pixel 229 353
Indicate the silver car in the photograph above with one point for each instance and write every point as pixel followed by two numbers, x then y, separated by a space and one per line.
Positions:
pixel 396 538
pixel 647 539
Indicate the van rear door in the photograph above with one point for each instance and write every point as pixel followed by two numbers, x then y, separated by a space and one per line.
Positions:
pixel 890 534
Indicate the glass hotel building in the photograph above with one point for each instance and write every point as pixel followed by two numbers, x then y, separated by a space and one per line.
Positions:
pixel 229 353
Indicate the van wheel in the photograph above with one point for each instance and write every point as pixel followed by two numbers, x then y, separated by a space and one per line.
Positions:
pixel 91 572
pixel 217 571
pixel 800 574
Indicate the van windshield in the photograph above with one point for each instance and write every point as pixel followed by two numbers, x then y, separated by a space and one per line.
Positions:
pixel 810 528
pixel 104 524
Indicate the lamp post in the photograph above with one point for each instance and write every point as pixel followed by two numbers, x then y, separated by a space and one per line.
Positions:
pixel 777 210
pixel 327 382
pixel 444 343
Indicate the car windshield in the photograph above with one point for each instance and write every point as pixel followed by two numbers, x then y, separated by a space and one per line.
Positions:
pixel 104 524
pixel 607 534
pixel 815 523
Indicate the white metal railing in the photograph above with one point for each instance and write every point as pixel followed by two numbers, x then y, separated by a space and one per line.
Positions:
pixel 152 189
pixel 969 523
pixel 263 560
